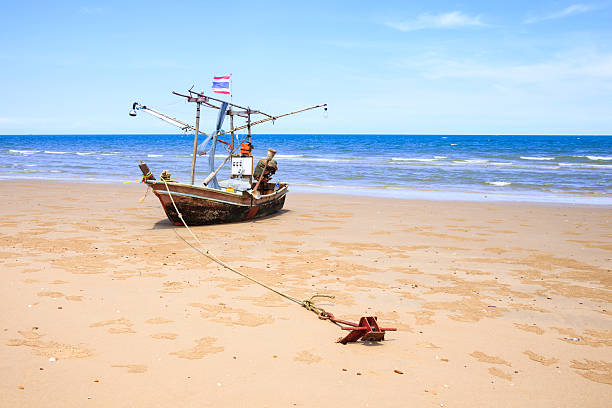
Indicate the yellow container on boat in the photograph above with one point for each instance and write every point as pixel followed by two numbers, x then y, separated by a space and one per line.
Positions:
pixel 230 189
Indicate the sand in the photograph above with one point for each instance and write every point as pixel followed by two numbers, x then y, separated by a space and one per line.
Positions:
pixel 105 303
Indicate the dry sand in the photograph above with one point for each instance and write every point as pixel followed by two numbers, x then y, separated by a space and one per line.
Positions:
pixel 496 304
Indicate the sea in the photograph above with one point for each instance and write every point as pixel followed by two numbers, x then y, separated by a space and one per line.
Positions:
pixel 547 169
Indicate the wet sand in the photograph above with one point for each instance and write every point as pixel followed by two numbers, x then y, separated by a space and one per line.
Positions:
pixel 496 304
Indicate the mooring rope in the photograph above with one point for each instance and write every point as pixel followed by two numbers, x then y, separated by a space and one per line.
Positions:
pixel 308 304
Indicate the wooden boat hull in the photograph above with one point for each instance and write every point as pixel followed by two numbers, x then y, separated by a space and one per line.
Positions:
pixel 204 206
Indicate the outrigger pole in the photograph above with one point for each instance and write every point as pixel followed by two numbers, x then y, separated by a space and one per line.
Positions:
pixel 250 124
pixel 195 143
pixel 201 99
pixel 168 119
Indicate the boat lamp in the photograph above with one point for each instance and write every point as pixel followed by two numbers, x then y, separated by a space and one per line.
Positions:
pixel 133 110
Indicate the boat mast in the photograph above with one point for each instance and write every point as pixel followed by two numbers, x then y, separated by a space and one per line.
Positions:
pixel 232 127
pixel 195 142
pixel 249 125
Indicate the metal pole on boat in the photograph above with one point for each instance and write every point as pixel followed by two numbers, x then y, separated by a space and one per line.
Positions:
pixel 195 142
pixel 249 125
pixel 231 127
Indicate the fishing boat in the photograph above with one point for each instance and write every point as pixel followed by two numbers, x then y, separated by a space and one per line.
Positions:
pixel 248 193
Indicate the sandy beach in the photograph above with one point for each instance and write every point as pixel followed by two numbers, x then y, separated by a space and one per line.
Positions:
pixel 105 303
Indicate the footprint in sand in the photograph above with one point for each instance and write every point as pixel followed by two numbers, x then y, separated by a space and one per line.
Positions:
pixel 597 371
pixel 132 368
pixel 51 294
pixel 127 325
pixel 32 339
pixel 499 373
pixel 307 357
pixel 533 328
pixel 221 313
pixel 204 347
pixel 165 336
pixel 423 317
pixel 485 358
pixel 74 298
pixel 540 359
pixel 176 287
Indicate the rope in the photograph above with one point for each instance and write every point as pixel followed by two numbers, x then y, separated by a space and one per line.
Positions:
pixel 308 304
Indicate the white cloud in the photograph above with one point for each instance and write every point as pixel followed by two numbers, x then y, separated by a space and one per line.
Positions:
pixel 566 12
pixel 454 19
pixel 575 69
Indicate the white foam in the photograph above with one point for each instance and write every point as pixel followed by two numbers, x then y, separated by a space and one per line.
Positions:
pixel 155 155
pixel 288 156
pixel 52 152
pixel 85 153
pixel 598 157
pixel 499 183
pixel 416 159
pixel 24 151
pixel 589 166
pixel 314 159
pixel 471 161
pixel 536 158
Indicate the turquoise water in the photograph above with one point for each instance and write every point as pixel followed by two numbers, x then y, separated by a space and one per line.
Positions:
pixel 565 169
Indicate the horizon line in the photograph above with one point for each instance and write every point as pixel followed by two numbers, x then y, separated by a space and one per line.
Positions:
pixel 301 134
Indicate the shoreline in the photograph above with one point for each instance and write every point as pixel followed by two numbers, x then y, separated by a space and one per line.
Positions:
pixel 567 199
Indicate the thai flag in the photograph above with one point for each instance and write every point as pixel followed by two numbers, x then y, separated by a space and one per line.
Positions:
pixel 221 85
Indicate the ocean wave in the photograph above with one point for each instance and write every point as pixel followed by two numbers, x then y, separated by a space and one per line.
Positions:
pixel 53 152
pixel 84 153
pixel 156 155
pixel 26 152
pixel 416 159
pixel 499 183
pixel 319 159
pixel 288 156
pixel 471 161
pixel 537 158
pixel 597 158
pixel 586 166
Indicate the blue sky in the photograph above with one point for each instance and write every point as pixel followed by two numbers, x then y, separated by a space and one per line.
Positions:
pixel 436 67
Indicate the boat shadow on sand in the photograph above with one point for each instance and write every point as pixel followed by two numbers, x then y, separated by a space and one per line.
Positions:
pixel 166 224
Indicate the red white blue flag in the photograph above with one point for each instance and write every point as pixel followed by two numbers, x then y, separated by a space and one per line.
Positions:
pixel 221 85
